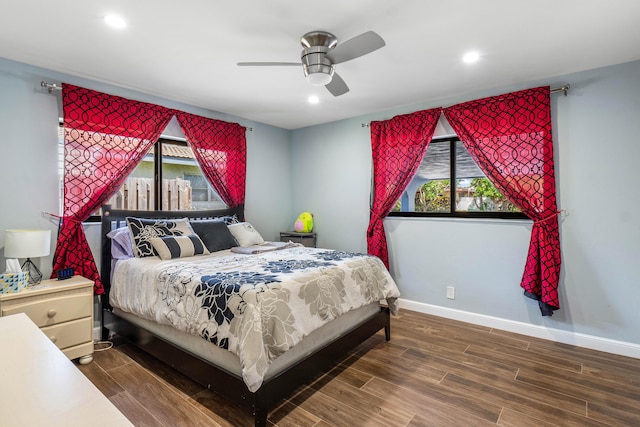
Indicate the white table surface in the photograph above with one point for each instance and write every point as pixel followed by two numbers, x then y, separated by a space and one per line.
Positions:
pixel 40 386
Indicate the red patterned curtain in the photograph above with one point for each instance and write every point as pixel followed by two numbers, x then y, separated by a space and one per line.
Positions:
pixel 221 150
pixel 509 137
pixel 398 146
pixel 105 137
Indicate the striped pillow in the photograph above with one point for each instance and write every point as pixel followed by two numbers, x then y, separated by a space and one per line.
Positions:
pixel 169 247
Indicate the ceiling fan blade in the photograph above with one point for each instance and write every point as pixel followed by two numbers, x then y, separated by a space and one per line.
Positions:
pixel 268 64
pixel 337 86
pixel 356 47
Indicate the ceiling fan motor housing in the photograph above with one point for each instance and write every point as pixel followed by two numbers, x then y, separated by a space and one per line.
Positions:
pixel 318 69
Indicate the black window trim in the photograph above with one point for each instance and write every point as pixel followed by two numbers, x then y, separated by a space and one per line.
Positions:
pixel 453 213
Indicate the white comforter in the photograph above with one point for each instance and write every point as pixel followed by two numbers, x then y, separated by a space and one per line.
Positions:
pixel 257 306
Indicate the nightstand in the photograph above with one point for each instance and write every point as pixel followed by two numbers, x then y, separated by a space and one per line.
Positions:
pixel 62 309
pixel 307 239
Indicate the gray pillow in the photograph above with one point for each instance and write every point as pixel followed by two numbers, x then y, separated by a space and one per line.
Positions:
pixel 214 233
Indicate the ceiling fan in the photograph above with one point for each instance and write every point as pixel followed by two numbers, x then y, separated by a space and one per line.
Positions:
pixel 321 53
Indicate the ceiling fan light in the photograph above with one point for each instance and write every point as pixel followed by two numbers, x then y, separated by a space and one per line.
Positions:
pixel 115 21
pixel 471 57
pixel 319 79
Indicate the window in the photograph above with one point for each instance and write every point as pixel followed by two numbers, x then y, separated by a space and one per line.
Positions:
pixel 449 183
pixel 184 187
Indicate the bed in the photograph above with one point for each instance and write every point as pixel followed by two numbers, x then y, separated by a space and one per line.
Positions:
pixel 253 353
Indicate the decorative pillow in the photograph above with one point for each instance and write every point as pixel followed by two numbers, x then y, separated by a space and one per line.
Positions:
pixel 169 247
pixel 143 229
pixel 121 246
pixel 245 234
pixel 214 233
pixel 227 219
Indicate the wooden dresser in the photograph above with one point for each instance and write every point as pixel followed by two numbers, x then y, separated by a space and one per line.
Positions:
pixel 62 309
pixel 39 386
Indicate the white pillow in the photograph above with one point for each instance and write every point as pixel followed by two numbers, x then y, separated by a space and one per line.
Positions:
pixel 245 234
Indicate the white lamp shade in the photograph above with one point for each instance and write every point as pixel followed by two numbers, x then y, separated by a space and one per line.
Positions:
pixel 27 243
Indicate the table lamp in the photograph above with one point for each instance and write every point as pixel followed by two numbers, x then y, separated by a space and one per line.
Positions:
pixel 28 244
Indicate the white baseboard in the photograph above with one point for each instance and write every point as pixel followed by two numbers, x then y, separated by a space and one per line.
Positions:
pixel 567 337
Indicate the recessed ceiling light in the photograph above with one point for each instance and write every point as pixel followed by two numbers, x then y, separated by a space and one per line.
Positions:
pixel 471 57
pixel 313 99
pixel 115 21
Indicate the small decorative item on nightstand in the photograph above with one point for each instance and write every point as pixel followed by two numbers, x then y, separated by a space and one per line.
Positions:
pixel 13 282
pixel 28 244
pixel 64 273
pixel 304 223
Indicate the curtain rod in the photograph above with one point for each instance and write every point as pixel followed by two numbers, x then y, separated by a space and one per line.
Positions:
pixel 563 89
pixel 50 87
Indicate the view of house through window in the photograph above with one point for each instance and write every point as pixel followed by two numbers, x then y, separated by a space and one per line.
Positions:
pixel 431 192
pixel 184 187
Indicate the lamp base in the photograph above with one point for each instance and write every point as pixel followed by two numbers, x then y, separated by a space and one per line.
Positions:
pixel 35 276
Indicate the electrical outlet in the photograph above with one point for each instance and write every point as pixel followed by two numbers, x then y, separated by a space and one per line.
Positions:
pixel 451 292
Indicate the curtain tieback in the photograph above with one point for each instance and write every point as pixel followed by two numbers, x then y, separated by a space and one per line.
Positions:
pixel 62 218
pixel 553 215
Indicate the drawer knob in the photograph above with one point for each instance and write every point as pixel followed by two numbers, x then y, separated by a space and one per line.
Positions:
pixel 53 339
pixel 52 313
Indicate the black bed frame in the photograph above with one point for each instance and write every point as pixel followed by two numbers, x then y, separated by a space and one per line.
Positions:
pixel 216 379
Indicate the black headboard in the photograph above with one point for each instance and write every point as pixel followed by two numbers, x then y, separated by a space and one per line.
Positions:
pixel 114 218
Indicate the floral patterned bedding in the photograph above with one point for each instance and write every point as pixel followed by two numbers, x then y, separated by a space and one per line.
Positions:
pixel 256 306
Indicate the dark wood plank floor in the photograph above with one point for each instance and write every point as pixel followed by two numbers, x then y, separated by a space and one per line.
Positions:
pixel 433 372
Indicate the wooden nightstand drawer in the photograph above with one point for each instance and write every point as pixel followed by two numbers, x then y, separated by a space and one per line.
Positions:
pixel 45 312
pixel 63 309
pixel 71 333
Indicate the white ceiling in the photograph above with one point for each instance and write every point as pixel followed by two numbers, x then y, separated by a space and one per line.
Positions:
pixel 187 50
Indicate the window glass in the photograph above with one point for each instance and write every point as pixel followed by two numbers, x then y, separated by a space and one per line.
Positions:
pixel 137 192
pixel 433 180
pixel 431 192
pixel 474 191
pixel 184 186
